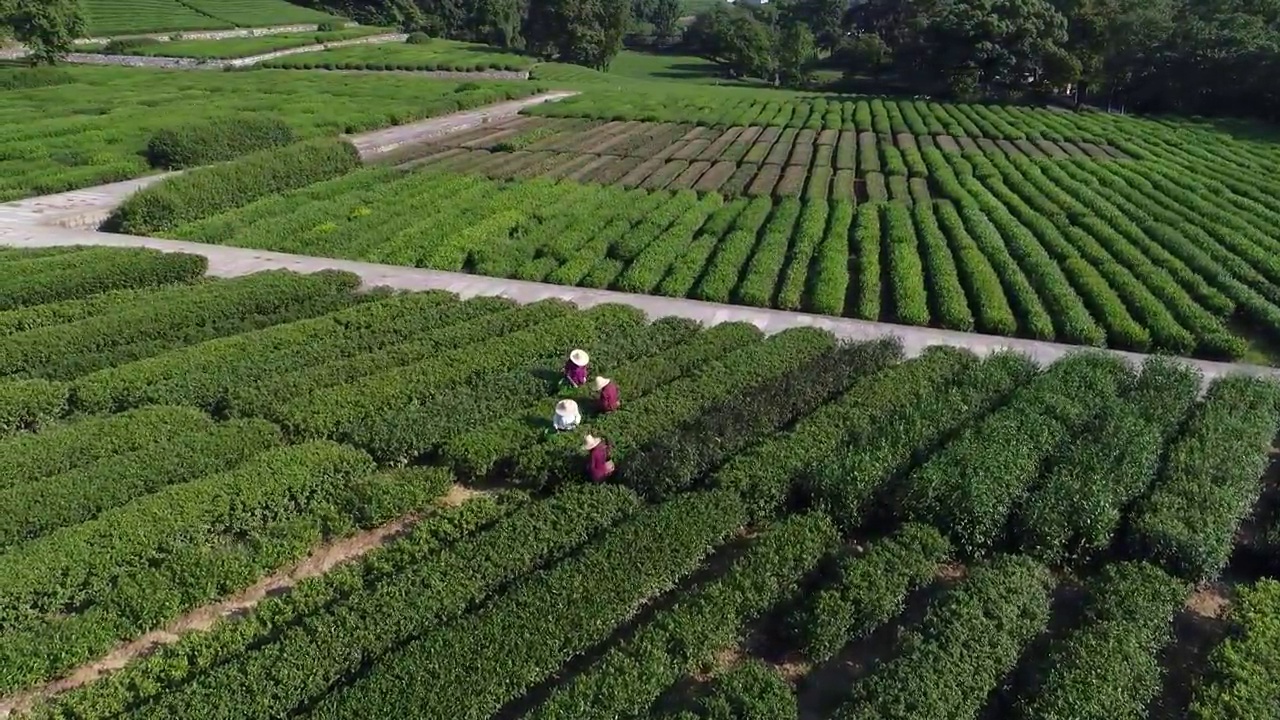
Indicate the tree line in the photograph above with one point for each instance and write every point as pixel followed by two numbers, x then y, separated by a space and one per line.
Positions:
pixel 1206 57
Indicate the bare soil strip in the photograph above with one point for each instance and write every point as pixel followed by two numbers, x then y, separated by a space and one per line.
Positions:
pixel 321 560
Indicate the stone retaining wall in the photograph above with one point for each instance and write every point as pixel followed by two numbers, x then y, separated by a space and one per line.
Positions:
pixel 199 64
pixel 370 40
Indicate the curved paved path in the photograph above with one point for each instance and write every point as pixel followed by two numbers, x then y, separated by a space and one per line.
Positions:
pixel 231 262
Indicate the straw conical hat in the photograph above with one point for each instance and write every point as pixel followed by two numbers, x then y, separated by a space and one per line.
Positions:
pixel 579 357
pixel 567 408
pixel 601 381
pixel 590 442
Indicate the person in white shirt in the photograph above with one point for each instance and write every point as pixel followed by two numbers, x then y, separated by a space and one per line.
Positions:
pixel 567 416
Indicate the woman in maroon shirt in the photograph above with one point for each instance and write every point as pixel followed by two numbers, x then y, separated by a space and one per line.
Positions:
pixel 609 398
pixel 575 369
pixel 599 466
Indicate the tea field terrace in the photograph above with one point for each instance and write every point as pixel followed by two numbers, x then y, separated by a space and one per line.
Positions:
pixel 1158 238
pixel 201 438
pixel 87 126
pixel 107 18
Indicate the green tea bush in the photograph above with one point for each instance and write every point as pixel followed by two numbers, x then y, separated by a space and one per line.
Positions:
pixel 1109 668
pixel 30 404
pixel 1244 671
pixel 207 191
pixel 203 142
pixel 35 77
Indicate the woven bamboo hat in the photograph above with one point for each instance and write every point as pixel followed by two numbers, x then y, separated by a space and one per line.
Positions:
pixel 579 357
pixel 567 408
pixel 590 442
pixel 600 382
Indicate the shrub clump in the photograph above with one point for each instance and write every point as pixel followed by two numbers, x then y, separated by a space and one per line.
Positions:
pixel 418 38
pixel 208 141
pixel 33 77
pixel 211 190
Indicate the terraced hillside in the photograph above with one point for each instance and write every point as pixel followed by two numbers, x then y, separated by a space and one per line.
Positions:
pixel 270 496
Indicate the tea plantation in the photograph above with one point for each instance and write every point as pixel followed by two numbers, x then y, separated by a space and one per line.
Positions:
pixel 250 495
pixel 783 505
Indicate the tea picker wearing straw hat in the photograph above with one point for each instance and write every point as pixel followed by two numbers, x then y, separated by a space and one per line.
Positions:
pixel 599 466
pixel 575 369
pixel 567 416
pixel 608 391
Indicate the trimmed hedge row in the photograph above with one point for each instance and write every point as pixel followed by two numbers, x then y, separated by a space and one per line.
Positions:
pixel 207 191
pixel 204 142
pixel 1110 667
pixel 949 304
pixel 684 272
pixel 866 259
pixel 465 670
pixel 173 666
pixel 914 419
pixel 245 374
pixel 475 321
pixel 808 236
pixel 765 473
pixel 66 446
pixel 868 590
pixel 829 284
pixel 1244 677
pixel 664 251
pixel 1091 231
pixel 1210 479
pixel 30 404
pixel 69 596
pixel 1112 463
pixel 1102 301
pixel 676 460
pixel 962 650
pixel 906 274
pixel 1073 321
pixel 770 254
pixel 69 311
pixel 990 306
pixel 732 253
pixel 970 486
pixel 209 310
pixel 686 636
pixel 751 690
pixel 1033 320
pixel 1110 226
pixel 1178 257
pixel 305 660
pixel 509 341
pixel 35 508
pixel 647 419
pixel 76 275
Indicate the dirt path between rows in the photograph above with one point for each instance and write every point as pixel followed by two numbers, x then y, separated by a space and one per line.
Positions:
pixel 320 561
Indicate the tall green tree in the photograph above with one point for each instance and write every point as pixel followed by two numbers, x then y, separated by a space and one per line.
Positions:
pixel 796 51
pixel 498 22
pixel 583 32
pixel 825 19
pixel 48 28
